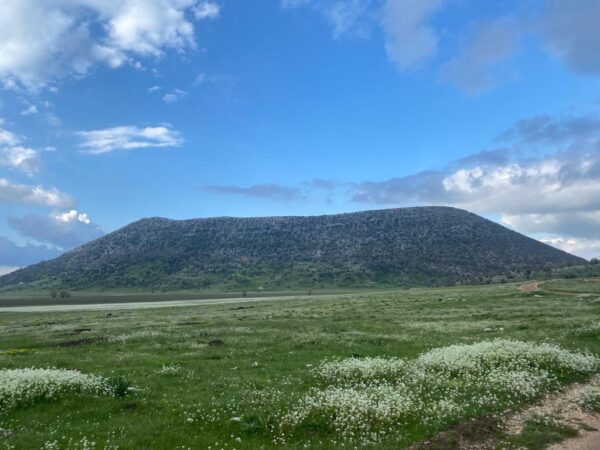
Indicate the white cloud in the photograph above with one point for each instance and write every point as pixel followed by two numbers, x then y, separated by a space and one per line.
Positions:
pixel 548 185
pixel 42 41
pixel 555 193
pixel 586 248
pixel 201 78
pixel 580 224
pixel 36 195
pixel 154 89
pixel 8 138
pixel 207 10
pixel 65 230
pixel 204 78
pixel 32 109
pixel 15 156
pixel 346 17
pixel 473 69
pixel 96 142
pixel 567 29
pixel 72 216
pixel 147 27
pixel 174 95
pixel 349 17
pixel 20 158
pixel 411 40
pixel 7 269
pixel 53 119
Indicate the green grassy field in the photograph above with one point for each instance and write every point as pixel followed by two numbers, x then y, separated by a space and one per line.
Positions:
pixel 581 286
pixel 243 375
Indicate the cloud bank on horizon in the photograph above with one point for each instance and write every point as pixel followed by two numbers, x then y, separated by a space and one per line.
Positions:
pixel 121 109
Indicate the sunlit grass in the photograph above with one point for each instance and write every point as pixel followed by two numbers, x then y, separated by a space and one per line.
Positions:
pixel 232 373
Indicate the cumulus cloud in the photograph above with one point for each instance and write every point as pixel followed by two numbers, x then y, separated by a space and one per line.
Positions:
pixel 106 140
pixel 562 182
pixel 570 30
pixel 578 224
pixel 41 41
pixel 271 190
pixel 410 39
pixel 13 256
pixel 35 195
pixel 473 70
pixel 554 192
pixel 586 248
pixel 64 230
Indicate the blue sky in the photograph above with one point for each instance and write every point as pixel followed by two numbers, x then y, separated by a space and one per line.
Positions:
pixel 111 111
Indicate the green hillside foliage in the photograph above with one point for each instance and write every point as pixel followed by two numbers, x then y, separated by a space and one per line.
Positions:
pixel 424 246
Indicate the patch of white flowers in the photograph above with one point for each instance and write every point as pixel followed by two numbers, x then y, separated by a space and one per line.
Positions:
pixel 136 335
pixel 366 399
pixel 589 398
pixel 20 387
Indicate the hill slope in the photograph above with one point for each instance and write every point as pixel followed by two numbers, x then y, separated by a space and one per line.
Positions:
pixel 428 245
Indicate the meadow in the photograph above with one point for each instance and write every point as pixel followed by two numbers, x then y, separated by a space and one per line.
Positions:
pixel 381 370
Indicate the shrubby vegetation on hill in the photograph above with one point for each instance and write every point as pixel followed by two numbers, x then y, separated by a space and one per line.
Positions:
pixel 393 247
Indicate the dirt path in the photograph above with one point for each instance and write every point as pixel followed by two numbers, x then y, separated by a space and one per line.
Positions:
pixel 491 432
pixel 563 408
pixel 137 305
pixel 589 441
pixel 531 286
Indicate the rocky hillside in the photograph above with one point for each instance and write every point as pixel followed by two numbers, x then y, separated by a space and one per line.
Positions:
pixel 407 246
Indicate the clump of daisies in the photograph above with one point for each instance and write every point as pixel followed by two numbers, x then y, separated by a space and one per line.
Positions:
pixel 367 399
pixel 21 387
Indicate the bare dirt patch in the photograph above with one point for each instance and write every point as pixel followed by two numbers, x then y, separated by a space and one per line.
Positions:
pixel 489 431
pixel 531 286
pixel 563 408
pixel 476 434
